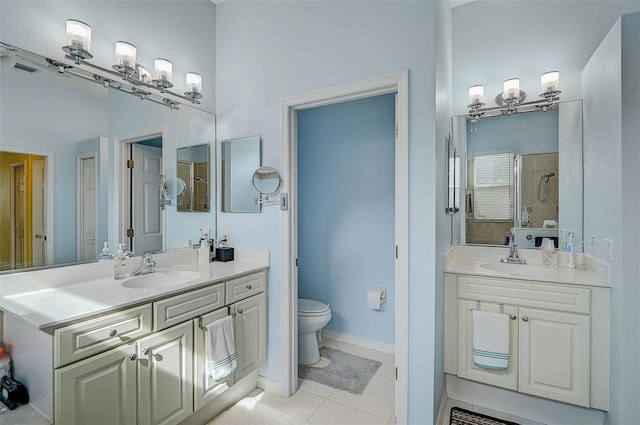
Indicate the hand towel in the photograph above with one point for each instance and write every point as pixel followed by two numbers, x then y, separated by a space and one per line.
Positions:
pixel 490 340
pixel 220 348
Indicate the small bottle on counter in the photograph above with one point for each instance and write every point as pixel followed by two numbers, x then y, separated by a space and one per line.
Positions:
pixel 105 254
pixel 5 363
pixel 570 255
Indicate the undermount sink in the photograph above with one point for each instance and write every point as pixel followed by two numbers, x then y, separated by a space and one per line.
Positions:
pixel 519 269
pixel 161 279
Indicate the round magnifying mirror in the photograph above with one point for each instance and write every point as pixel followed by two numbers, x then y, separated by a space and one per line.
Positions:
pixel 266 180
pixel 181 186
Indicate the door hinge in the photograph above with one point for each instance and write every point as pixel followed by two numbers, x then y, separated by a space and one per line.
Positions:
pixel 396 373
pixel 130 233
pixel 396 252
pixel 130 163
pixel 296 262
pixel 396 130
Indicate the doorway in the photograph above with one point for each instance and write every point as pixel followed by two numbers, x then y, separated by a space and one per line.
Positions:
pixel 141 221
pixel 385 84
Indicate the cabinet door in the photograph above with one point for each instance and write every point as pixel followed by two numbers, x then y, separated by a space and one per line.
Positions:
pixel 466 369
pixel 554 355
pixel 99 390
pixel 165 371
pixel 250 333
pixel 205 388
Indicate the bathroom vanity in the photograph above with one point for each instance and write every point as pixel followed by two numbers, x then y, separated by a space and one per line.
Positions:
pixel 93 349
pixel 559 323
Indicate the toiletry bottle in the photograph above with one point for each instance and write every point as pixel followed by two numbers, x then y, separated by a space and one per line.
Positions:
pixel 105 254
pixel 570 260
pixel 120 263
pixel 203 252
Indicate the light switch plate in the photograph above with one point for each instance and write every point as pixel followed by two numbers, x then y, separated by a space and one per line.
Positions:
pixel 608 249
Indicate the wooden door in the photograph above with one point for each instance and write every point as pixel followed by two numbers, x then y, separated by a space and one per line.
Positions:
pixel 165 388
pixel 87 207
pixel 99 390
pixel 145 199
pixel 554 355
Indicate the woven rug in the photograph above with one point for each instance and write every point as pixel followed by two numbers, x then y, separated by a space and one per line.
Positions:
pixel 465 417
pixel 345 372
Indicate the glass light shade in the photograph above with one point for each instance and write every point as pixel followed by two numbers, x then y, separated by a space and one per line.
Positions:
pixel 550 81
pixel 162 70
pixel 78 35
pixel 476 94
pixel 144 75
pixel 511 88
pixel 194 82
pixel 125 54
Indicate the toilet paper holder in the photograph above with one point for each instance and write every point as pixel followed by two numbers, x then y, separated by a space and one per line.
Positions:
pixel 383 293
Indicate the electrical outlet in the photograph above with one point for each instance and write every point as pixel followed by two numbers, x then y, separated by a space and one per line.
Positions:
pixel 592 241
pixel 226 238
pixel 608 249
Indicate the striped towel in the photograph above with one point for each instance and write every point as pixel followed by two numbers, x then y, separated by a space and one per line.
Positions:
pixel 220 348
pixel 490 340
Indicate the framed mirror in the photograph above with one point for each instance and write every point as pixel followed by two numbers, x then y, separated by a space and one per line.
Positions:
pixel 240 158
pixel 192 181
pixel 520 174
pixel 77 136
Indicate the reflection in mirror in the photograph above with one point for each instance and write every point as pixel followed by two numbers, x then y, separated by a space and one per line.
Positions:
pixel 193 172
pixel 523 175
pixel 240 158
pixel 266 181
pixel 70 134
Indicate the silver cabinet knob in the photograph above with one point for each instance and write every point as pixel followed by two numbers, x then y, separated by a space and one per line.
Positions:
pixel 525 319
pixel 240 311
pixel 513 317
pixel 146 352
pixel 133 357
pixel 249 286
pixel 113 333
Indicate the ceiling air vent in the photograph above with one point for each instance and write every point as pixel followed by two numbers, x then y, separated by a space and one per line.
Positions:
pixel 23 67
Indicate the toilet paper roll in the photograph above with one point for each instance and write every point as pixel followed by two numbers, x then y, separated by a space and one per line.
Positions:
pixel 373 298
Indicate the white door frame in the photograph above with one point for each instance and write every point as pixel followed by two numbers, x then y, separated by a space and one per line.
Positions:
pixel 122 179
pixel 397 82
pixel 49 185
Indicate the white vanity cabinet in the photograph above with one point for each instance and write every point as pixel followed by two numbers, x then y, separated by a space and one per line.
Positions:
pixel 555 351
pixel 145 364
pixel 147 382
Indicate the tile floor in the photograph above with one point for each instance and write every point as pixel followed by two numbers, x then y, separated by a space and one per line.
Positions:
pixel 315 403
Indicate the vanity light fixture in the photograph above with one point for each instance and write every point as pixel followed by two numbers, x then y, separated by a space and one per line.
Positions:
pixel 511 100
pixel 138 81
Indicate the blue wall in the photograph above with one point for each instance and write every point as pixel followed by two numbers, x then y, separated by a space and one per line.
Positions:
pixel 346 212
pixel 535 132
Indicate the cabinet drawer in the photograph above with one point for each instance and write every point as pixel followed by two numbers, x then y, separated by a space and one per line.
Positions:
pixel 568 298
pixel 81 340
pixel 244 287
pixel 174 310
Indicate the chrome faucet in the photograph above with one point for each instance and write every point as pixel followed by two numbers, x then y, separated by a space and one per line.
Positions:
pixel 147 265
pixel 513 257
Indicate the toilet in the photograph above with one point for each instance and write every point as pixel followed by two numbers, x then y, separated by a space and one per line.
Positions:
pixel 312 316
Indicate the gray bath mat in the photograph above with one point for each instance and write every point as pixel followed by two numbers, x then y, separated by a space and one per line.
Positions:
pixel 345 372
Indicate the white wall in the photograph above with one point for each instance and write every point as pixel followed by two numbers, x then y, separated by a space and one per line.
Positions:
pixel 611 108
pixel 497 40
pixel 270 50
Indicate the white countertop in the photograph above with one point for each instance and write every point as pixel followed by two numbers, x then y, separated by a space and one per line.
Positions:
pixel 48 298
pixel 473 260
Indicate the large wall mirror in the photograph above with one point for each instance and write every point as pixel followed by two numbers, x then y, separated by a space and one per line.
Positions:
pixel 193 179
pixel 65 143
pixel 240 159
pixel 521 174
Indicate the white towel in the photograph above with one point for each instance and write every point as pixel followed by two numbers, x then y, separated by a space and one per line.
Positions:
pixel 220 348
pixel 490 340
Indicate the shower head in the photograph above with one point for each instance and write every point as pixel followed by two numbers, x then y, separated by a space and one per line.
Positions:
pixel 200 179
pixel 548 175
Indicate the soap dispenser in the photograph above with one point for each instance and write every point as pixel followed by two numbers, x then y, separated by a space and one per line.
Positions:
pixel 120 262
pixel 570 248
pixel 105 254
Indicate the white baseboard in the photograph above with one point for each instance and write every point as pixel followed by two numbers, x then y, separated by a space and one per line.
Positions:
pixel 521 405
pixel 361 342
pixel 269 384
pixel 443 408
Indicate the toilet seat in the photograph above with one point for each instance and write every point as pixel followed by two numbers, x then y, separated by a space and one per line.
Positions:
pixel 311 308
